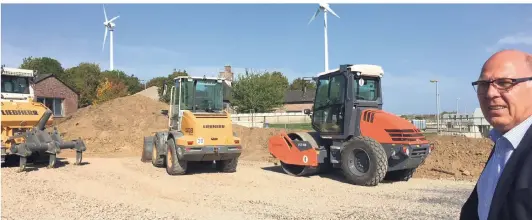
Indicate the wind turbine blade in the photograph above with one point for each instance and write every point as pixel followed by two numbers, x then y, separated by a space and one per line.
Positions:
pixel 104 38
pixel 112 19
pixel 315 15
pixel 326 6
pixel 104 13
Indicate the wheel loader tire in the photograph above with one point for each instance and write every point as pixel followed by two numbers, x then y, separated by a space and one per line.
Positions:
pixel 355 164
pixel 156 159
pixel 400 175
pixel 147 149
pixel 174 166
pixel 227 166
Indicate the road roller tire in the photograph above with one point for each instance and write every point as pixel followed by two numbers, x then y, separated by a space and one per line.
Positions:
pixel 299 170
pixel 364 161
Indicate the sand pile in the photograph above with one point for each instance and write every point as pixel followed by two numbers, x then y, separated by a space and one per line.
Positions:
pixel 116 126
pixel 255 142
pixel 456 158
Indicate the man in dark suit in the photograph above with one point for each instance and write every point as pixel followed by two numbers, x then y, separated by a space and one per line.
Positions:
pixel 504 91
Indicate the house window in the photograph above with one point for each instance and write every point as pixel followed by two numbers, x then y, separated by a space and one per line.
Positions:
pixel 54 104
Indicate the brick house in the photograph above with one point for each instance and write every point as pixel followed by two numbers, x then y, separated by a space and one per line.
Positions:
pixel 297 100
pixel 56 95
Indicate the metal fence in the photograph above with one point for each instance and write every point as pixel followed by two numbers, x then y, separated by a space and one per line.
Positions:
pixel 475 127
pixel 277 120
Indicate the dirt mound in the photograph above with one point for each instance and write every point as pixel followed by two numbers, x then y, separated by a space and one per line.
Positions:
pixel 255 142
pixel 116 126
pixel 459 158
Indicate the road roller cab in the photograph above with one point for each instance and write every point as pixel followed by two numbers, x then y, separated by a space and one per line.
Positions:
pixel 352 132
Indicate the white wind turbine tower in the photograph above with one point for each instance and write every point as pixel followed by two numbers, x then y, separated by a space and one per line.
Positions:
pixel 325 8
pixel 109 26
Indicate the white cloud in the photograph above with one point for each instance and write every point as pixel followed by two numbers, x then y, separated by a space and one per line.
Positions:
pixel 523 39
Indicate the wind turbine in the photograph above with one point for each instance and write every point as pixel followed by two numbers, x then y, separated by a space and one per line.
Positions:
pixel 325 8
pixel 109 26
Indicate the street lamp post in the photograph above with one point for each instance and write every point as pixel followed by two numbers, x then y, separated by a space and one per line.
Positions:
pixel 437 106
pixel 460 120
pixel 457 105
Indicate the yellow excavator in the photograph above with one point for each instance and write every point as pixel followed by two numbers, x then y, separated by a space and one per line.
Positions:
pixel 24 122
pixel 199 129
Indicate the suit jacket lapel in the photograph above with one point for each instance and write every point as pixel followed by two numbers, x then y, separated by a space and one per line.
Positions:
pixel 506 180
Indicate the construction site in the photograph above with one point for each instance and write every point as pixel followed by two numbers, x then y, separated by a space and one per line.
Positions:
pixel 112 183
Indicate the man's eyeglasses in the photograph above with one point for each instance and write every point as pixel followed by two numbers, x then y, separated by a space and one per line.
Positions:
pixel 503 84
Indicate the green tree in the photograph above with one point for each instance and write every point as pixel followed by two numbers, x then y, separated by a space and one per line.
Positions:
pixel 300 83
pixel 260 92
pixel 280 79
pixel 110 88
pixel 43 65
pixel 85 78
pixel 131 82
pixel 169 82
pixel 157 81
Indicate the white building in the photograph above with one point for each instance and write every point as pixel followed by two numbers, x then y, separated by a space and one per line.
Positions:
pixel 480 124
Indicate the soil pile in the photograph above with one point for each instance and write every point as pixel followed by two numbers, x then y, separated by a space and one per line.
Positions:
pixel 116 126
pixel 457 157
pixel 255 142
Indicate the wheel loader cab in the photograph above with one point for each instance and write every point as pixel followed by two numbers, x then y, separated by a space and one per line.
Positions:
pixel 342 91
pixel 16 84
pixel 197 95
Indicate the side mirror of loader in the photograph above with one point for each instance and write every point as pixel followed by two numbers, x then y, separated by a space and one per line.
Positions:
pixel 164 112
pixel 306 111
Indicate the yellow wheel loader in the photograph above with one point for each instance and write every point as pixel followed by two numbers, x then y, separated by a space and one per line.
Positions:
pixel 199 129
pixel 24 121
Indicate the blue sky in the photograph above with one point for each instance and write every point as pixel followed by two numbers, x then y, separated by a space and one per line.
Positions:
pixel 413 43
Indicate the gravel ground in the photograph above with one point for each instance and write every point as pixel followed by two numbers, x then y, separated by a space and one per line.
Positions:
pixel 125 188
